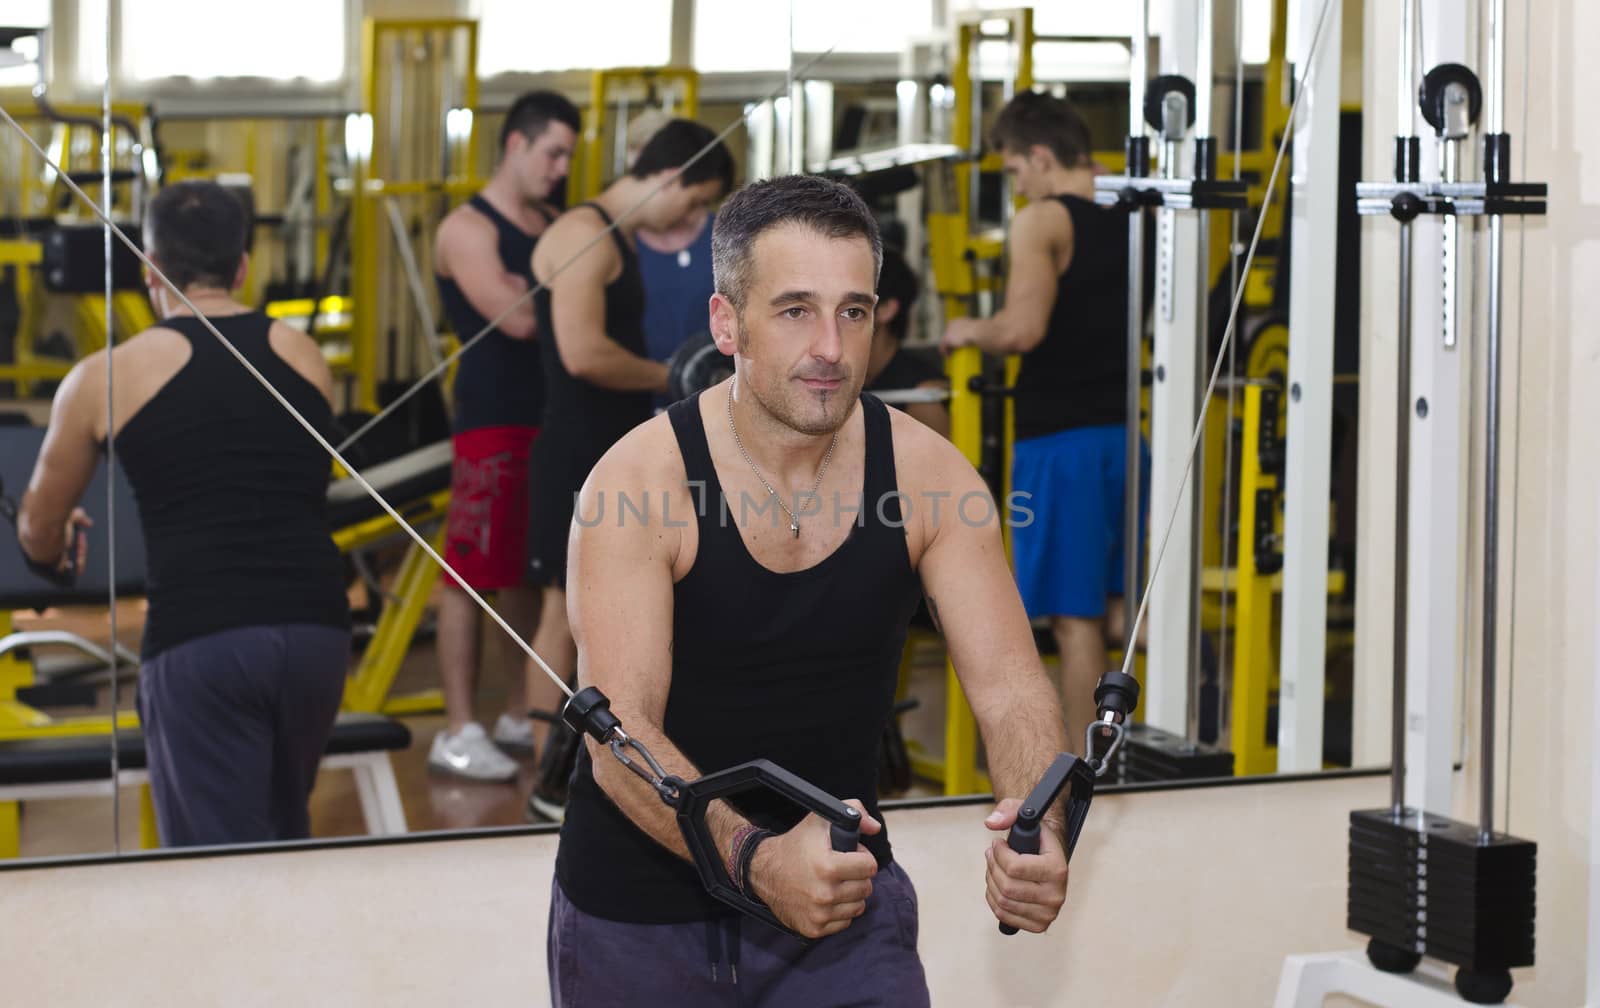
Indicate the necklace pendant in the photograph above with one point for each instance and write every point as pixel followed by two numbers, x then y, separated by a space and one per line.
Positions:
pixel 794 526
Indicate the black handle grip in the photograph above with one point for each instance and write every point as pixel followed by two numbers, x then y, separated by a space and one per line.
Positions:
pixel 844 838
pixel 1024 839
pixel 1069 773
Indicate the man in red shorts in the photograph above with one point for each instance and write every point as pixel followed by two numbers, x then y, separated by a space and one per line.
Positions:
pixel 483 256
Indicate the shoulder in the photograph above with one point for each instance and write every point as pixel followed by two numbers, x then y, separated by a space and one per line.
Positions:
pixel 464 221
pixel 574 236
pixel 926 462
pixel 147 350
pixel 937 481
pixel 646 459
pixel 632 494
pixel 302 353
pixel 1043 220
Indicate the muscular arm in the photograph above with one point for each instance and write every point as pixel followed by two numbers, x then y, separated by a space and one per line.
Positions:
pixel 1040 249
pixel 619 599
pixel 466 251
pixel 66 462
pixel 578 314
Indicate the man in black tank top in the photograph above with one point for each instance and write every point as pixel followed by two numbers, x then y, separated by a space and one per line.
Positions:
pixel 598 373
pixel 1066 314
pixel 741 574
pixel 247 639
pixel 483 262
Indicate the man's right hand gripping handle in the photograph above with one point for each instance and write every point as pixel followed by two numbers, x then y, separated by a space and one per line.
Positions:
pixel 816 878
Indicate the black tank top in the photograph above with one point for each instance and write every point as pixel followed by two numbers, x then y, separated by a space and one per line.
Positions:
pixel 581 417
pixel 232 492
pixel 1076 376
pixel 797 668
pixel 498 382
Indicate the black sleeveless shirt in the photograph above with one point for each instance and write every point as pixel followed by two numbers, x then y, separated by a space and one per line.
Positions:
pixel 232 492
pixel 499 382
pixel 797 668
pixel 581 417
pixel 1077 375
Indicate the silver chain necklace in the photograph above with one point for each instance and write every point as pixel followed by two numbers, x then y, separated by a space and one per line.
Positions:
pixel 794 522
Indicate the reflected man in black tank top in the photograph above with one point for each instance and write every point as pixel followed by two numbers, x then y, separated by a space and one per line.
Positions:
pixel 246 638
pixel 483 265
pixel 599 377
pixel 757 609
pixel 1066 314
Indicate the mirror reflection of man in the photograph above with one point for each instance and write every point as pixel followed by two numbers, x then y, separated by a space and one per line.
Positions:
pixel 247 634
pixel 1066 314
pixel 482 258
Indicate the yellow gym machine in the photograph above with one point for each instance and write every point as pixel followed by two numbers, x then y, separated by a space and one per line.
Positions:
pixel 965 264
pixel 413 146
pixel 675 90
pixel 72 137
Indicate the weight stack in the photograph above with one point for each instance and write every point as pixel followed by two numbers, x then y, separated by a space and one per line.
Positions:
pixel 1427 886
pixel 1150 754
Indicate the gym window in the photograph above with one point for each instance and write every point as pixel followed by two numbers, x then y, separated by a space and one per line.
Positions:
pixel 735 35
pixel 517 36
pixel 17 63
pixel 288 40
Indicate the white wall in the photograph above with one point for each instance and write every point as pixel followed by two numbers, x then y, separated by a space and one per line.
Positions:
pixel 1186 899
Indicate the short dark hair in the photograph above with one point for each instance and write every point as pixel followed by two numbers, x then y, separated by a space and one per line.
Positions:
pixel 896 280
pixel 196 232
pixel 827 207
pixel 1034 118
pixel 531 113
pixel 686 144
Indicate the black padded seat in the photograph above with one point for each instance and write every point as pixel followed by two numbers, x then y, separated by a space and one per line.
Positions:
pixel 65 760
pixel 354 733
pixel 88 757
pixel 402 481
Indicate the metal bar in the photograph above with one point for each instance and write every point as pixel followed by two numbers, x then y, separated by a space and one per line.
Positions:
pixel 1205 55
pixel 1406 93
pixel 1494 111
pixel 1138 70
pixel 1491 525
pixel 1202 407
pixel 1130 502
pixel 1494 98
pixel 1402 536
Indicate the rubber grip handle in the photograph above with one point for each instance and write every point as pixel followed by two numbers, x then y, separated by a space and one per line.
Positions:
pixel 1024 839
pixel 844 838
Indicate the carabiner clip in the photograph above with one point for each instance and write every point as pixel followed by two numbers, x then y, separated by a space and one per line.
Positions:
pixel 1101 763
pixel 670 788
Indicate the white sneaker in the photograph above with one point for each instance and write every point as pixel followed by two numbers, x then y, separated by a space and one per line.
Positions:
pixel 515 734
pixel 469 753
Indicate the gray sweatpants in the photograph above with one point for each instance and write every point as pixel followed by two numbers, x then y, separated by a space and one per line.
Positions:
pixel 738 960
pixel 234 726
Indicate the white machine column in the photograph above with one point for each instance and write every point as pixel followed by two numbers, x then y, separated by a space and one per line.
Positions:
pixel 1314 189
pixel 1175 366
pixel 1438 465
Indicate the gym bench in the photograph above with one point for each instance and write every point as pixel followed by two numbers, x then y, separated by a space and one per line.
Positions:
pixel 35 769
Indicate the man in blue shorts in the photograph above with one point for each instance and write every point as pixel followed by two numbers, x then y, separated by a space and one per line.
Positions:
pixel 1066 314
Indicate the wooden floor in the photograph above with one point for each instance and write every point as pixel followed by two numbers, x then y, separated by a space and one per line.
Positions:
pixel 432 801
